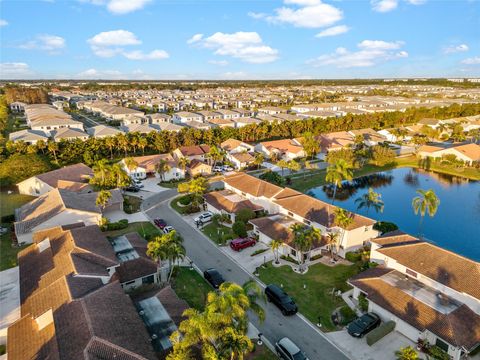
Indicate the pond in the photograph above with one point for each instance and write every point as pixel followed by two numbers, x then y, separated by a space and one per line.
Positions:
pixel 456 225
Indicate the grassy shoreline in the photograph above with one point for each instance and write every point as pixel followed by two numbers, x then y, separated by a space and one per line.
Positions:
pixel 317 178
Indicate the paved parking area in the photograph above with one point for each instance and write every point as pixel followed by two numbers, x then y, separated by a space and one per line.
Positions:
pixel 358 349
pixel 244 258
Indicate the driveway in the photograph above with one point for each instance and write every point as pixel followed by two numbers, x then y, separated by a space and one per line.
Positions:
pixel 358 348
pixel 205 254
pixel 244 258
pixel 117 215
pixel 10 300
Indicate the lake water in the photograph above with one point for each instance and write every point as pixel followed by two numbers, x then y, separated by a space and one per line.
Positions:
pixel 455 226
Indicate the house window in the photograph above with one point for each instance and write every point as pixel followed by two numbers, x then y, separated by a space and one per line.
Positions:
pixel 411 273
pixel 442 344
pixel 290 213
pixel 293 252
pixel 307 222
pixel 148 279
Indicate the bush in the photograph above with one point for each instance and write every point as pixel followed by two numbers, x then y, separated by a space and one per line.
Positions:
pixel 353 256
pixel 347 314
pixel 273 177
pixel 185 200
pixel 191 209
pixel 7 219
pixel 245 215
pixel 240 229
pixel 19 167
pixel 363 302
pixel 183 187
pixel 380 332
pixel 259 251
pixel 437 353
pixel 119 225
pixel 385 226
pixel 289 258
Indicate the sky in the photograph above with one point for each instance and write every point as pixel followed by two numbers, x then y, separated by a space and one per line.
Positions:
pixel 238 39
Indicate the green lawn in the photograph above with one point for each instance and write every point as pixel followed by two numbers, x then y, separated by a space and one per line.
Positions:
pixel 8 254
pixel 170 184
pixel 191 287
pixel 316 301
pixel 8 203
pixel 317 178
pixel 261 353
pixel 145 228
pixel 216 232
pixel 131 204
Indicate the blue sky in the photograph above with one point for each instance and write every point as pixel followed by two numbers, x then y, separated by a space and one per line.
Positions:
pixel 242 39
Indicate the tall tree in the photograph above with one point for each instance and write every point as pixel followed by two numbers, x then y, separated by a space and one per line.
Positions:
pixel 162 168
pixel 370 199
pixel 130 163
pixel 338 172
pixel 214 154
pixel 52 147
pixel 183 162
pixel 426 202
pixel 343 219
pixel 332 241
pixel 101 168
pixel 166 247
pixel 283 164
pixel 103 198
pixel 310 144
pixel 259 159
pixel 275 246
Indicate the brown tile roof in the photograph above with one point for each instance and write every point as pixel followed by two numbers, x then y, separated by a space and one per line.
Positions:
pixel 195 163
pixel 443 266
pixel 226 200
pixel 460 327
pixel 243 157
pixel 335 140
pixel 76 173
pixel 396 237
pixel 283 145
pixel 138 243
pixel 149 162
pixel 230 144
pixel 194 150
pixel 429 148
pixel 135 269
pixel 173 304
pixel 74 186
pixel 471 151
pixel 252 185
pixel 369 134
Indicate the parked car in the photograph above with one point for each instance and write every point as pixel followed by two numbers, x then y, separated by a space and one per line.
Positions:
pixel 160 223
pixel 281 299
pixel 203 218
pixel 137 183
pixel 286 349
pixel 240 243
pixel 213 277
pixel 217 169
pixel 132 188
pixel 363 325
pixel 168 229
pixel 227 168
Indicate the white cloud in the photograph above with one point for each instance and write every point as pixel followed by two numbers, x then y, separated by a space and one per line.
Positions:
pixel 195 38
pixel 370 53
pixel 472 61
pixel 384 5
pixel 307 14
pixel 455 49
pixel 333 31
pixel 112 43
pixel 140 55
pixel 218 62
pixel 100 74
pixel 119 7
pixel 245 46
pixel 416 2
pixel 50 43
pixel 3 22
pixel 14 70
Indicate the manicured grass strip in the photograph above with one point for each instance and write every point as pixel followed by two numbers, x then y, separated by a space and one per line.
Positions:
pixel 9 202
pixel 191 287
pixel 216 232
pixel 8 254
pixel 145 228
pixel 316 302
pixel 175 206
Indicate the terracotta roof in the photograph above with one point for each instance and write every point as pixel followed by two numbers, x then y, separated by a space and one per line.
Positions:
pixel 149 162
pixel 443 266
pixel 194 150
pixel 283 145
pixel 77 173
pixel 471 151
pixel 460 327
pixel 243 157
pixel 396 237
pixel 335 140
pixel 74 186
pixel 230 144
pixel 252 185
pixel 229 201
pixel 429 148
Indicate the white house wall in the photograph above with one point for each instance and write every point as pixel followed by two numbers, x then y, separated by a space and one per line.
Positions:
pixel 34 187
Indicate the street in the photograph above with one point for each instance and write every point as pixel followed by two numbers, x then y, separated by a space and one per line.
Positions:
pixel 205 254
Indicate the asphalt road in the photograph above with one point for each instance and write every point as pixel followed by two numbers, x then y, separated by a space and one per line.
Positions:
pixel 205 254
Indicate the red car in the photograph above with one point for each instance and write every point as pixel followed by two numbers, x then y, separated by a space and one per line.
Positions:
pixel 239 244
pixel 160 223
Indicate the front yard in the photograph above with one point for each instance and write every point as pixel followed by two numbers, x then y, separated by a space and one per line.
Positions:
pixel 191 287
pixel 145 228
pixel 131 204
pixel 9 202
pixel 218 233
pixel 316 302
pixel 8 254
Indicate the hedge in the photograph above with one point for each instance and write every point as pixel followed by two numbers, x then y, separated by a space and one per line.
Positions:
pixel 121 224
pixel 380 332
pixel 353 256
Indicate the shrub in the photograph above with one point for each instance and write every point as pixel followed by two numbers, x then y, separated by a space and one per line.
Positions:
pixel 385 226
pixel 380 332
pixel 240 229
pixel 289 258
pixel 7 219
pixel 245 215
pixel 347 314
pixel 119 225
pixel 316 257
pixel 259 251
pixel 273 177
pixel 382 155
pixel 406 353
pixel 190 209
pixel 437 353
pixel 353 256
pixel 183 187
pixel 185 200
pixel 363 302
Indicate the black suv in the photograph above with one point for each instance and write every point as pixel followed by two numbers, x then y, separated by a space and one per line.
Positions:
pixel 280 298
pixel 213 277
pixel 363 325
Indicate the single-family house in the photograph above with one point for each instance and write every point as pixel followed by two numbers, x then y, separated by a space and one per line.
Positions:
pixel 103 131
pixel 147 166
pixel 198 168
pixel 287 149
pixel 468 153
pixel 335 141
pixel 68 134
pixel 244 121
pixel 370 136
pixel 28 136
pixel 186 117
pixel 193 152
pixel 228 203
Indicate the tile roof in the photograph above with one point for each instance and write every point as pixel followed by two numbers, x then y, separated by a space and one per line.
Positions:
pixel 283 145
pixel 194 150
pixel 243 157
pixel 443 266
pixel 252 185
pixel 135 269
pixel 77 173
pixel 173 304
pixel 229 201
pixel 393 238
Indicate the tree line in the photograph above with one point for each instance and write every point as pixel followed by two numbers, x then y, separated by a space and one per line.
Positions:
pixel 25 94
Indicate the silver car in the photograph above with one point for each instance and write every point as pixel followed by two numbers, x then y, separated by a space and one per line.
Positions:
pixel 287 350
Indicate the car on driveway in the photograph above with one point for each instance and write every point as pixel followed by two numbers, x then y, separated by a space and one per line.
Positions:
pixel 213 277
pixel 363 325
pixel 242 243
pixel 217 169
pixel 203 218
pixel 287 350
pixel 281 299
pixel 137 183
pixel 160 223
pixel 132 188
pixel 167 229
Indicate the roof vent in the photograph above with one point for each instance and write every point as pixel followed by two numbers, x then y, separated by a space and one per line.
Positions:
pixel 154 337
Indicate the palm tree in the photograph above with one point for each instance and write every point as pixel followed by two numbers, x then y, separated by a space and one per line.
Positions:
pixel 123 142
pixel 338 172
pixel 122 178
pixel 166 247
pixel 41 145
pixel 110 144
pixel 332 241
pixel 101 168
pixel 293 166
pixel 275 246
pixel 142 143
pixel 259 159
pixel 426 202
pixel 162 167
pixel 102 199
pixel 370 199
pixel 183 162
pixel 406 353
pixel 52 147
pixel 282 164
pixel 343 219
pixel 214 154
pixel 310 145
pixel 130 164
pixel 234 344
